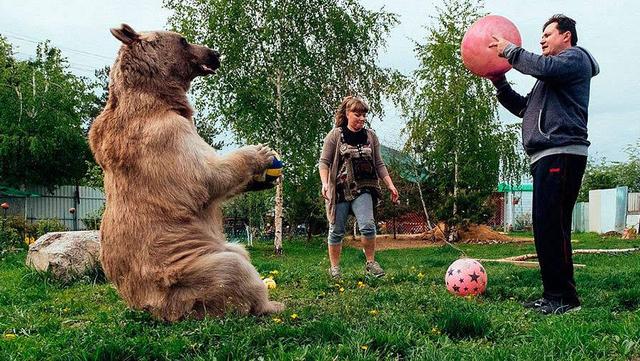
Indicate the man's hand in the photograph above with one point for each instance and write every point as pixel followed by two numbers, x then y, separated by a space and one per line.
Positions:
pixel 499 43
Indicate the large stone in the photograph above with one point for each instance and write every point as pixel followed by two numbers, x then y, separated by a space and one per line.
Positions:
pixel 66 255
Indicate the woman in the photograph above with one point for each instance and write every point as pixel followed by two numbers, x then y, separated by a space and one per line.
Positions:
pixel 350 169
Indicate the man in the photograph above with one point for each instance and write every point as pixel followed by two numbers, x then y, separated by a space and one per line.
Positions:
pixel 554 135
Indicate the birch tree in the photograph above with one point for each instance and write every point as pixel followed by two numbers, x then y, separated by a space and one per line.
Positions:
pixel 453 122
pixel 286 67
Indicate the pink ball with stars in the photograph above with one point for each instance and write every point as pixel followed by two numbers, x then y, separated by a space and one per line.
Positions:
pixel 466 276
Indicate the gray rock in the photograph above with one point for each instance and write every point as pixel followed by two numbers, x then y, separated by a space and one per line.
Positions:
pixel 66 255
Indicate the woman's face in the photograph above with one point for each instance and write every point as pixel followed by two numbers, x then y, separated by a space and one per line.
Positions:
pixel 355 120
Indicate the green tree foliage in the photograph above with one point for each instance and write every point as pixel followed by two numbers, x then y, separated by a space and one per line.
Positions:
pixel 42 113
pixel 603 175
pixel 453 125
pixel 287 65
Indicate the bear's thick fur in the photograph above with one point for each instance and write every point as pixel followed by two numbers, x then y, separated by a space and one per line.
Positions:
pixel 162 238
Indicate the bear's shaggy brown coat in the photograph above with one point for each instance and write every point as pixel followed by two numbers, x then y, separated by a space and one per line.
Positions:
pixel 162 238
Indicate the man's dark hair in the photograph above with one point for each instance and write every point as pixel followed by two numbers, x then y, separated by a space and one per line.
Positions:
pixel 564 24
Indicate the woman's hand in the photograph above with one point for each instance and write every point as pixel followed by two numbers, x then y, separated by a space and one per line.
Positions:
pixel 325 191
pixel 395 197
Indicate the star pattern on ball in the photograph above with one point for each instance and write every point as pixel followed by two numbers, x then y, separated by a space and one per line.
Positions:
pixel 474 277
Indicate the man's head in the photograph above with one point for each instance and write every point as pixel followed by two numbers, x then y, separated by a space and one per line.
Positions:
pixel 558 34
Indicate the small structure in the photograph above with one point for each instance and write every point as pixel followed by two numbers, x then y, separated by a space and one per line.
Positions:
pixel 514 207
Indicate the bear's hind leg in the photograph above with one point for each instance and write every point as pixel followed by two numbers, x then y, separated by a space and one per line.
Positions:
pixel 226 280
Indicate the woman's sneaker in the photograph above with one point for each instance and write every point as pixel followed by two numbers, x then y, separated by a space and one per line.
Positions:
pixel 374 269
pixel 334 272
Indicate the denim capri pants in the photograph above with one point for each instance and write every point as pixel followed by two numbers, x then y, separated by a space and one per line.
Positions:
pixel 362 208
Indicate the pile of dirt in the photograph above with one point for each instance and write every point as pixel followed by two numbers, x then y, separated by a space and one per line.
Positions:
pixel 476 234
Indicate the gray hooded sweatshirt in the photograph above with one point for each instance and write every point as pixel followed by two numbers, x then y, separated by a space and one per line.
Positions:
pixel 555 112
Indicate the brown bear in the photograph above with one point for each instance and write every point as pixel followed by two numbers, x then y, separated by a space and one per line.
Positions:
pixel 162 238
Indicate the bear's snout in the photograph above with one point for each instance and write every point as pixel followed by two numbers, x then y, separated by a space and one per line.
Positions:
pixel 208 60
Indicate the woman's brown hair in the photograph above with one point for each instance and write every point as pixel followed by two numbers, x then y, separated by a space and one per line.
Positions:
pixel 350 103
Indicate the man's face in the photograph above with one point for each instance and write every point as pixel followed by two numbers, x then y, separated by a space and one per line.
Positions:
pixel 553 42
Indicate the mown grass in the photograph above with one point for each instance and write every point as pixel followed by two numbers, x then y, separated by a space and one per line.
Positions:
pixel 406 315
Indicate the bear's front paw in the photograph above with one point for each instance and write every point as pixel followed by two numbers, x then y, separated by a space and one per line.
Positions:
pixel 263 157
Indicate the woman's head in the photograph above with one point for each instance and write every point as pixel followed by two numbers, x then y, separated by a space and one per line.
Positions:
pixel 354 105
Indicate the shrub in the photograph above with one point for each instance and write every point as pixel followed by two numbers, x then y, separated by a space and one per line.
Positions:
pixel 9 238
pixel 20 225
pixel 48 225
pixel 92 220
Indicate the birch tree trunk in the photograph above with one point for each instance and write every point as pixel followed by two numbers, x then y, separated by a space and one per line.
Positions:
pixel 277 241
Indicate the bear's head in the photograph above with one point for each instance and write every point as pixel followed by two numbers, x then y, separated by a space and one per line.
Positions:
pixel 160 60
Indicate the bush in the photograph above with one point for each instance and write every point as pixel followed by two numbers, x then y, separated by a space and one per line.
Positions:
pixel 9 238
pixel 48 225
pixel 93 219
pixel 523 222
pixel 20 225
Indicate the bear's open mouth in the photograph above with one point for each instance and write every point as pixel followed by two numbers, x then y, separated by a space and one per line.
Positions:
pixel 206 69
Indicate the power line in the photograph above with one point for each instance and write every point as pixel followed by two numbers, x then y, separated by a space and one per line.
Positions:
pixel 36 41
pixel 72 65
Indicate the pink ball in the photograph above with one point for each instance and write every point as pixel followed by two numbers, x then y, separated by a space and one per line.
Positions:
pixel 466 276
pixel 476 54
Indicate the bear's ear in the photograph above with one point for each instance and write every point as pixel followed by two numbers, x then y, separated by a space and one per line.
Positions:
pixel 126 34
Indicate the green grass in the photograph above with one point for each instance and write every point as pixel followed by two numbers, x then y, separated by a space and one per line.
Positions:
pixel 406 315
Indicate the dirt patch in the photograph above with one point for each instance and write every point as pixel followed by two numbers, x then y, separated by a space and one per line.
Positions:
pixel 476 234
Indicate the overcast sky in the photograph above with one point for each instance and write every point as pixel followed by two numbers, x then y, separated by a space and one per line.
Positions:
pixel 609 29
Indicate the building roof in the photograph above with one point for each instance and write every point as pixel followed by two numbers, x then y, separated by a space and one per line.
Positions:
pixel 524 187
pixel 12 192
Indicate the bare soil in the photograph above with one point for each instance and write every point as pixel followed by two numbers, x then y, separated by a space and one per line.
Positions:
pixel 476 234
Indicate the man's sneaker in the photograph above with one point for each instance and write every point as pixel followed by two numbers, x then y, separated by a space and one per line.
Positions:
pixel 536 303
pixel 557 308
pixel 374 269
pixel 334 272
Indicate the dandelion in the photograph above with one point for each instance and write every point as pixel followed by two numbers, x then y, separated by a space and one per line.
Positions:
pixel 274 273
pixel 9 336
pixel 435 331
pixel 277 320
pixel 374 312
pixel 361 284
pixel 364 347
pixel 294 316
pixel 420 275
pixel 341 289
pixel 269 283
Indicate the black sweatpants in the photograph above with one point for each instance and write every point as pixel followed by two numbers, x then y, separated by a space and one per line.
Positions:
pixel 556 183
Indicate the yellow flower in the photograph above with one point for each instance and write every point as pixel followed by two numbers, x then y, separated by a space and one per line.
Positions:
pixel 420 275
pixel 361 284
pixel 374 312
pixel 341 289
pixel 364 347
pixel 294 316
pixel 435 331
pixel 277 320
pixel 270 283
pixel 274 273
pixel 10 336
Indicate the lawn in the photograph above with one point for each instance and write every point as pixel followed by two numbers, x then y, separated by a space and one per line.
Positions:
pixel 406 315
